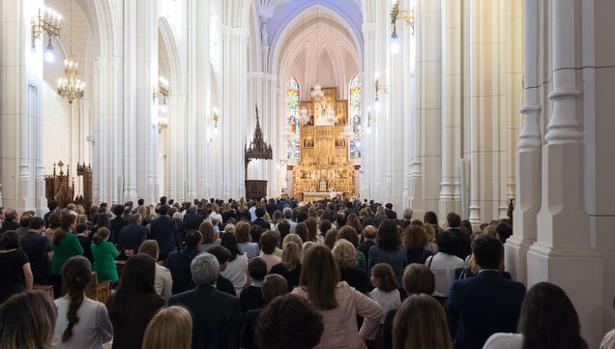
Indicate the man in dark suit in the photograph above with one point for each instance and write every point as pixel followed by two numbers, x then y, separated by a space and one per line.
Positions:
pixel 462 240
pixel 388 211
pixel 487 303
pixel 163 230
pixel 132 235
pixel 216 316
pixel 192 220
pixel 179 262
pixel 37 247
pixel 117 223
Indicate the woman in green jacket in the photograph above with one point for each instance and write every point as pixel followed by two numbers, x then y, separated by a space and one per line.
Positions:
pixel 104 254
pixel 66 245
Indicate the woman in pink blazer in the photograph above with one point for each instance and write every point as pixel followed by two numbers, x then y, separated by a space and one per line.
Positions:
pixel 338 303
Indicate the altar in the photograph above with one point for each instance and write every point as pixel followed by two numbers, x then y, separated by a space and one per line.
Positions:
pixel 324 169
pixel 317 196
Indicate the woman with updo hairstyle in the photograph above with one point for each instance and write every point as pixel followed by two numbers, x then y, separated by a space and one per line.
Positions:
pixel 289 322
pixel 336 301
pixel 171 328
pixel 104 254
pixel 27 321
pixel 65 245
pixel 82 322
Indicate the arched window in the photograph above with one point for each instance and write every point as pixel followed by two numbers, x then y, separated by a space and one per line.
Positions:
pixel 292 103
pixel 354 114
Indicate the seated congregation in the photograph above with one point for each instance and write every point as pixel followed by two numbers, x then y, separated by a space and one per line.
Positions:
pixel 270 274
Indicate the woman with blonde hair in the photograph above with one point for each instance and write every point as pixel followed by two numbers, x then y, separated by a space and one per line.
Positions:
pixel 420 323
pixel 290 267
pixel 345 255
pixel 432 236
pixel 171 328
pixel 27 321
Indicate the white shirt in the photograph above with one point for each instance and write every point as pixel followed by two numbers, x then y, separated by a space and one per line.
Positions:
pixel 608 342
pixel 163 282
pixel 387 300
pixel 93 329
pixel 236 272
pixel 252 211
pixel 504 341
pixel 443 268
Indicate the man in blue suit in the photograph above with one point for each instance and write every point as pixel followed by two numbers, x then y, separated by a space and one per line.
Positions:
pixel 163 230
pixel 487 303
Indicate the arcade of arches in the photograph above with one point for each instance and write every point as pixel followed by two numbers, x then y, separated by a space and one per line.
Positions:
pixel 487 104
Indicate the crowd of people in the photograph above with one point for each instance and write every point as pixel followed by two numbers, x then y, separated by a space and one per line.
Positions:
pixel 269 274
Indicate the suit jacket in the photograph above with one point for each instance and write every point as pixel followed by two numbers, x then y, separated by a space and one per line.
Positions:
pixel 115 225
pixel 179 265
pixel 483 305
pixel 390 214
pixel 131 237
pixel 251 297
pixel 216 317
pixel 249 327
pixel 163 230
pixel 37 248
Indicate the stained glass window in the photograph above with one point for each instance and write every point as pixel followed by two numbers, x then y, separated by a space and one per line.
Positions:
pixel 354 113
pixel 292 102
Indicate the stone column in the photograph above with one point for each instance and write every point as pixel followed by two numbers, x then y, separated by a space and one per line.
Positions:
pixel 130 112
pixel 563 252
pixel 528 158
pixel 451 105
pixel 146 110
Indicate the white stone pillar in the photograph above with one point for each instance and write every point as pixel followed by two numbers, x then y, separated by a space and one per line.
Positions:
pixel 528 158
pixel 147 81
pixel 563 252
pixel 451 105
pixel 130 155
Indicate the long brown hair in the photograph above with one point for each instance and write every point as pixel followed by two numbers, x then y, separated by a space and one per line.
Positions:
pixel 76 275
pixel 27 321
pixel 319 277
pixel 420 323
pixel 170 328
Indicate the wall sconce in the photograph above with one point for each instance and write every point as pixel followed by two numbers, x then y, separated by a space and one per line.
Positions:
pixel 397 14
pixel 380 89
pixel 47 21
pixel 214 120
pixel 161 92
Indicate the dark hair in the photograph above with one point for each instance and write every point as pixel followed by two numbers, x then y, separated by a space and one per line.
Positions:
pixel 229 240
pixel 388 235
pixel 415 237
pixel 548 319
pixel 420 322
pixel 192 238
pixel 288 322
pixel 257 269
pixel 488 251
pixel 102 220
pixel 140 202
pixel 319 277
pixel 255 232
pixel 9 240
pixel 349 233
pixel 324 226
pixel 100 235
pixel 36 223
pixel 52 205
pixel 137 279
pixel 268 241
pixel 260 212
pixel 76 275
pixel 163 210
pixel 27 320
pixel 221 253
pixel 273 285
pixel 163 200
pixel 504 231
pixel 385 274
pixel 430 217
pixel 207 231
pixel 67 219
pixel 81 228
pixel 312 229
pixel 301 229
pixel 284 228
pixel 468 226
pixel 418 278
pixel 118 210
pixel 447 243
pixel 453 220
pixel 24 220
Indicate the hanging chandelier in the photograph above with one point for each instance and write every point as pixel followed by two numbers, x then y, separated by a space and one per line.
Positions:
pixel 70 87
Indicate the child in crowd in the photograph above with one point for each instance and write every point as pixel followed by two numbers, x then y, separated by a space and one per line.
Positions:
pixel 251 297
pixel 104 254
pixel 385 291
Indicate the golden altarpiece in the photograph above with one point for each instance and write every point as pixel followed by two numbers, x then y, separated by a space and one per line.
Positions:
pixel 324 169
